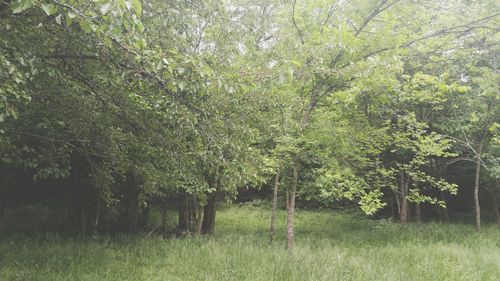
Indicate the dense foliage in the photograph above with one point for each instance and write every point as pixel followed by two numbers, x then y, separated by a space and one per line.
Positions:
pixel 112 108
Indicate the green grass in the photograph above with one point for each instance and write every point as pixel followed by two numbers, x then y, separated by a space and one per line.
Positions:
pixel 329 246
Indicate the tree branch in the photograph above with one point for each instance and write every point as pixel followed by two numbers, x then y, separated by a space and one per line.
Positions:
pixel 295 23
pixel 379 9
pixel 333 7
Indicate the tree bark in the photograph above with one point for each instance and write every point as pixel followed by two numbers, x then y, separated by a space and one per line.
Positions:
pixel 403 214
pixel 199 220
pixel 398 204
pixel 418 212
pixel 208 225
pixel 2 218
pixel 291 208
pixel 495 206
pixel 79 205
pixel 477 208
pixel 394 208
pixel 144 219
pixel 444 210
pixel 183 210
pixel 95 221
pixel 274 205
pixel 3 207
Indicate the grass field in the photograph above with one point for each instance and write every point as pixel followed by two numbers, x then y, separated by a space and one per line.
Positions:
pixel 329 246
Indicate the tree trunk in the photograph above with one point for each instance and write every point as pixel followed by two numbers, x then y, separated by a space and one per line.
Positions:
pixel 80 212
pixel 95 221
pixel 495 206
pixel 476 195
pixel 199 220
pixel 190 213
pixel 132 216
pixel 418 212
pixel 208 225
pixel 183 225
pixel 291 208
pixel 403 216
pixel 3 207
pixel 2 218
pixel 404 212
pixel 274 204
pixel 144 219
pixel 398 204
pixel 393 209
pixel 444 210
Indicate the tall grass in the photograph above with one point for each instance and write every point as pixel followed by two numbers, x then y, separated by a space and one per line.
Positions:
pixel 329 246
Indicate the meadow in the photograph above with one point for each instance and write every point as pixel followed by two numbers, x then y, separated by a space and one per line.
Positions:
pixel 329 246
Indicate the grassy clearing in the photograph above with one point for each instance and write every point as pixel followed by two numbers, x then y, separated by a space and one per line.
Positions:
pixel 329 246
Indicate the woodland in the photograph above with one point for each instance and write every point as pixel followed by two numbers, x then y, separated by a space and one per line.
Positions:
pixel 299 131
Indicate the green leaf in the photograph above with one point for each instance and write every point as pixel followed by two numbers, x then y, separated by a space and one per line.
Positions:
pixel 21 6
pixel 140 27
pixel 58 18
pixel 71 15
pixel 49 9
pixel 136 5
pixel 14 114
pixel 128 4
pixel 105 8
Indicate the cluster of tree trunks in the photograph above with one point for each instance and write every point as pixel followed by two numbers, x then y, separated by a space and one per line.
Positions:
pixel 196 218
pixel 400 207
pixel 193 216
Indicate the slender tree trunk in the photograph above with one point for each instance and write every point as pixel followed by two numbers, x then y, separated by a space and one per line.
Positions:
pixel 393 208
pixel 418 212
pixel 95 222
pixel 403 214
pixel 397 208
pixel 80 210
pixel 273 211
pixel 291 208
pixel 183 210
pixel 144 217
pixel 444 210
pixel 495 206
pixel 190 213
pixel 3 207
pixel 2 218
pixel 133 207
pixel 476 195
